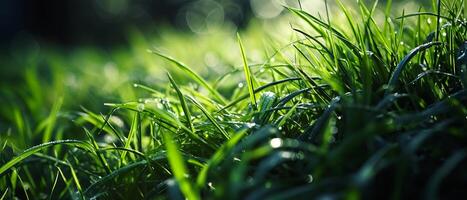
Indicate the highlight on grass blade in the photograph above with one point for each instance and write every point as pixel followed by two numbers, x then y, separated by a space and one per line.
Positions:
pixel 248 77
pixel 29 152
pixel 178 168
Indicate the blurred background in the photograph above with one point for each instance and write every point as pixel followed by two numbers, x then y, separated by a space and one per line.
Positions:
pixel 106 22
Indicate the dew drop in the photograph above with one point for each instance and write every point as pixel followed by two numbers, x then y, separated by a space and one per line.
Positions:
pixel 276 143
pixel 310 178
pixel 250 125
pixel 240 85
pixel 135 85
pixel 140 107
pixel 211 186
pixel 428 21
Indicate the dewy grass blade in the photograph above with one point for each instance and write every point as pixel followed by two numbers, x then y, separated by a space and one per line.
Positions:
pixel 185 109
pixel 179 169
pixel 259 90
pixel 248 77
pixel 395 75
pixel 218 156
pixel 210 117
pixel 28 152
pixel 90 191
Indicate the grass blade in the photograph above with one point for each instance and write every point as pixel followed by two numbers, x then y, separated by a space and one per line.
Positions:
pixel 4 194
pixel 209 116
pixel 248 77
pixel 178 168
pixel 28 152
pixel 397 72
pixel 431 191
pixel 193 75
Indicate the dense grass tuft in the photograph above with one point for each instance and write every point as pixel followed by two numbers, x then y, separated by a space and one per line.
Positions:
pixel 355 107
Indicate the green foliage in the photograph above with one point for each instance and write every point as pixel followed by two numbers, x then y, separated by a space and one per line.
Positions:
pixel 349 109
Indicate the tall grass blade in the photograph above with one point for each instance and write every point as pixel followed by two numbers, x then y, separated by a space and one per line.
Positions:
pixel 131 135
pixel 248 77
pixel 209 116
pixel 179 169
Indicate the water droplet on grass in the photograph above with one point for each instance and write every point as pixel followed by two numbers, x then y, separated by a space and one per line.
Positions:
pixel 276 143
pixel 140 107
pixel 250 125
pixel 310 178
pixel 240 85
pixel 211 186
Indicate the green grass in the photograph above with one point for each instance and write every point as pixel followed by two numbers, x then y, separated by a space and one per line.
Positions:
pixel 352 107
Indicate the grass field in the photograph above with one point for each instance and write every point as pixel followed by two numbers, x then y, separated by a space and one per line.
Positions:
pixel 368 103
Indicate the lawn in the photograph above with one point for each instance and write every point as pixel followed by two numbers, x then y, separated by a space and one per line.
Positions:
pixel 366 100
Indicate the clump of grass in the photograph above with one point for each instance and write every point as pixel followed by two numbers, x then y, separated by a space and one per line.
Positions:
pixel 351 111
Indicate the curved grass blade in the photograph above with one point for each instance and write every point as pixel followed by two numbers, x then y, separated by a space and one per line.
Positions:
pixel 193 75
pixel 395 75
pixel 371 168
pixel 432 188
pixel 319 125
pixel 28 152
pixel 259 89
pixel 90 191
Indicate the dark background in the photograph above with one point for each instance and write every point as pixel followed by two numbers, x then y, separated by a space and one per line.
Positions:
pixel 102 22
